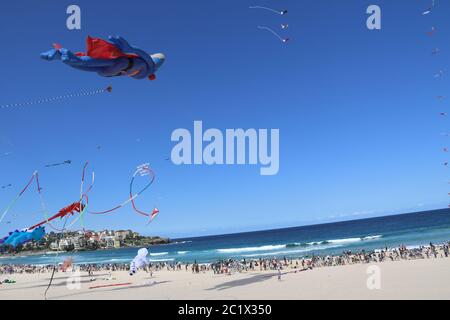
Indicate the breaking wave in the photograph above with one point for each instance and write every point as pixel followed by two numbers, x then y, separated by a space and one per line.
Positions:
pixel 161 260
pixel 319 245
pixel 158 254
pixel 251 249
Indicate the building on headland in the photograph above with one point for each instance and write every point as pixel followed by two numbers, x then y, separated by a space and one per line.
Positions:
pixel 91 240
pixel 54 246
pixel 63 245
pixel 111 242
pixel 123 234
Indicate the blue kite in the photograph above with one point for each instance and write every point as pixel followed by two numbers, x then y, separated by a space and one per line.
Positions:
pixel 112 58
pixel 17 237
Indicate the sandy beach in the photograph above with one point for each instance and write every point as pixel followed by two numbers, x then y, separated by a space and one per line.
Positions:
pixel 409 279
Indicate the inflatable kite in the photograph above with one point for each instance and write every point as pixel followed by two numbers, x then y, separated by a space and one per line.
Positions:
pixel 112 58
pixel 21 237
pixel 140 261
pixel 37 232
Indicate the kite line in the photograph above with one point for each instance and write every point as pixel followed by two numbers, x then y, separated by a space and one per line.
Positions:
pixel 53 99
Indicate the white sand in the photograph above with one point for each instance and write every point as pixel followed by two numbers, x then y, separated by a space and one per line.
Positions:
pixel 417 279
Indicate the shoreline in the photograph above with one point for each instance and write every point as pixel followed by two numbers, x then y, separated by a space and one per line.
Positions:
pixel 48 251
pixel 444 246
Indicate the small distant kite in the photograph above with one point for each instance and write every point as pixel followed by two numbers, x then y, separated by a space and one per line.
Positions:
pixel 7 186
pixel 284 26
pixel 426 12
pixel 59 164
pixel 282 12
pixel 433 30
pixel 284 40
pixel 153 215
pixel 439 74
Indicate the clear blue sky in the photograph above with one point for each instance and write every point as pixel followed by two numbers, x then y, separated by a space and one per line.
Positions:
pixel 356 109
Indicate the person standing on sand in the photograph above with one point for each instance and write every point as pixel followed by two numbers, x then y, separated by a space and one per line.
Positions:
pixel 279 274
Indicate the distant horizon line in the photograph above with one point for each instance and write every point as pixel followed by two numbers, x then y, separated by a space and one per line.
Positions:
pixel 309 225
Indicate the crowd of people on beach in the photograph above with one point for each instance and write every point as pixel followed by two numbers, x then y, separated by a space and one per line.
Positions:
pixel 230 266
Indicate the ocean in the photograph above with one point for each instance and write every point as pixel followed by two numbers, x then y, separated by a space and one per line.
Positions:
pixel 411 229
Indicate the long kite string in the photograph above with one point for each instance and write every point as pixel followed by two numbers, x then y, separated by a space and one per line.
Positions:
pixel 14 201
pixel 44 207
pixel 55 261
pixel 52 99
pixel 82 211
pixel 83 195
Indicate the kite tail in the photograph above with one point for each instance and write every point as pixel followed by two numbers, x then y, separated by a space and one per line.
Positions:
pixel 52 99
pixel 266 8
pixel 273 32
pixel 50 283
pixel 145 170
pixel 132 196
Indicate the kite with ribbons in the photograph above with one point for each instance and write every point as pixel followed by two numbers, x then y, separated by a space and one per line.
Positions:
pixel 80 207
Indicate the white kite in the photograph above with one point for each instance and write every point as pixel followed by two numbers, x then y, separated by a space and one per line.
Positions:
pixel 140 261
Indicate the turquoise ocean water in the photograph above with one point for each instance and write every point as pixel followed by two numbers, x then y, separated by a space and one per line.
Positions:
pixel 409 229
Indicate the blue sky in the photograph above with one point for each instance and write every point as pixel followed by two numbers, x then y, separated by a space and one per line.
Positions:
pixel 356 109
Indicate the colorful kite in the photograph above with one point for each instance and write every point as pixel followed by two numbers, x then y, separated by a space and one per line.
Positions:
pixel 112 58
pixel 59 164
pixel 17 238
pixel 37 231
